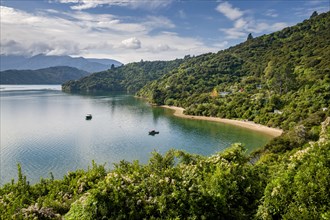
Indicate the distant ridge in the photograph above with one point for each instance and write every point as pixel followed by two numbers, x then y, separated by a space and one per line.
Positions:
pixel 51 75
pixel 17 62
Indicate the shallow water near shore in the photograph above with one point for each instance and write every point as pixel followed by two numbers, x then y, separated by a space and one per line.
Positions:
pixel 45 131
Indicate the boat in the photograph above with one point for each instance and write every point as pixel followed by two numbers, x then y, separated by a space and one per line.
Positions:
pixel 88 116
pixel 153 132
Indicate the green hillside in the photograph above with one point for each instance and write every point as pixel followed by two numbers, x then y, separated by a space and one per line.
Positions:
pixel 265 79
pixel 129 78
pixel 276 79
pixel 51 75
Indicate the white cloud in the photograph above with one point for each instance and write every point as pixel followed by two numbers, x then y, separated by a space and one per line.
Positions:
pixel 309 9
pixel 105 22
pixel 221 45
pixel 271 13
pixel 13 47
pixel 278 26
pixel 131 43
pixel 99 35
pixel 233 33
pixel 158 22
pixel 257 27
pixel 144 4
pixel 243 23
pixel 240 23
pixel 242 27
pixel 229 11
pixel 162 47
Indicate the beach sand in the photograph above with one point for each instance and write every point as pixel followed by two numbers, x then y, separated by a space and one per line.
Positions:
pixel 274 132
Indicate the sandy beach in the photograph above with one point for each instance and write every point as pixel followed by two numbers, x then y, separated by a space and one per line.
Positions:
pixel 274 132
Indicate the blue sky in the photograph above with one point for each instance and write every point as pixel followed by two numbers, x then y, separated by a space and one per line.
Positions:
pixel 131 30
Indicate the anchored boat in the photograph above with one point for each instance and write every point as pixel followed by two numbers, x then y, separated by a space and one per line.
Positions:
pixel 88 116
pixel 153 132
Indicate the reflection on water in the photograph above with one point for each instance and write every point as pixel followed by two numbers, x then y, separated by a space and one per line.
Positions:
pixel 45 131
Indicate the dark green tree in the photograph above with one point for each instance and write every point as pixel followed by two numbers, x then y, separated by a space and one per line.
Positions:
pixel 250 37
pixel 314 14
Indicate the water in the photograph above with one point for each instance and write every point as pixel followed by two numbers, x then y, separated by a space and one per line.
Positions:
pixel 45 131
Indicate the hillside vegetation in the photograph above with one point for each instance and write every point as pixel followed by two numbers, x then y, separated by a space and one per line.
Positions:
pixel 51 75
pixel 276 79
pixel 129 78
pixel 265 79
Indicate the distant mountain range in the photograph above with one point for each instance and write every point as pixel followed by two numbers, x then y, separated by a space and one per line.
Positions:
pixel 50 75
pixel 14 62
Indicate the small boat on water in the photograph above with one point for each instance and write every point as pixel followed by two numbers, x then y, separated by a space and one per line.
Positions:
pixel 89 117
pixel 153 132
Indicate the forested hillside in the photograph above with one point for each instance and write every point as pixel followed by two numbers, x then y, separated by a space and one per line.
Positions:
pixel 276 79
pixel 51 75
pixel 129 78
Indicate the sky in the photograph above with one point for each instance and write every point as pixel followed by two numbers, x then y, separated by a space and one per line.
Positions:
pixel 134 30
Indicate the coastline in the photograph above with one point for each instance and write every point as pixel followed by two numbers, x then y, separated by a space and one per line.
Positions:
pixel 274 132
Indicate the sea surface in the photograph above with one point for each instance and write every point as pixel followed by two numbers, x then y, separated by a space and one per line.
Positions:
pixel 44 130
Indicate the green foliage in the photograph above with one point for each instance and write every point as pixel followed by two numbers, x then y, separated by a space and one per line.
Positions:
pixel 301 189
pixel 49 198
pixel 199 188
pixel 129 78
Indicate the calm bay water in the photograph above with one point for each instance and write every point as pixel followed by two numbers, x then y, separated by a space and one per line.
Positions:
pixel 45 131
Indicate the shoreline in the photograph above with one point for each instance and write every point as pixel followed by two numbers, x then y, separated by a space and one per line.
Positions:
pixel 274 132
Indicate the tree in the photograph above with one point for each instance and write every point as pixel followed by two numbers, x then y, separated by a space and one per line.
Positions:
pixel 314 14
pixel 157 97
pixel 250 37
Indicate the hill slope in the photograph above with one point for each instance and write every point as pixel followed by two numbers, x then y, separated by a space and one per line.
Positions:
pixel 51 75
pixel 279 80
pixel 130 77
pixel 265 79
